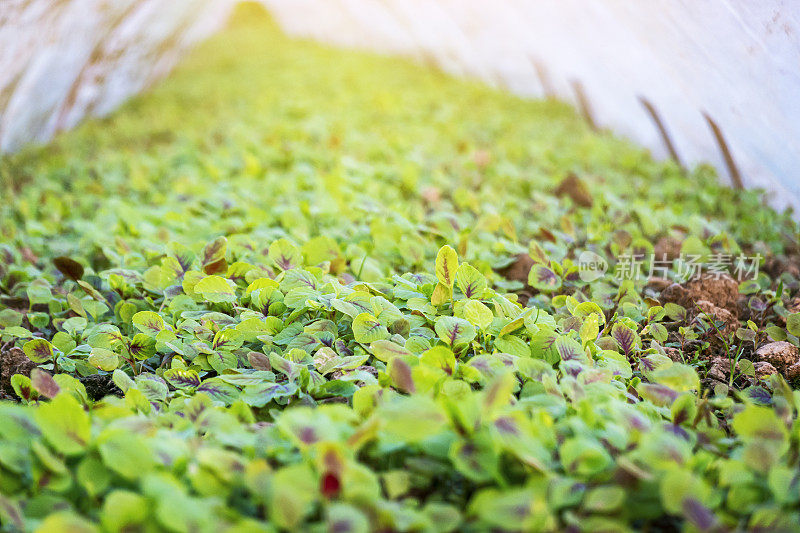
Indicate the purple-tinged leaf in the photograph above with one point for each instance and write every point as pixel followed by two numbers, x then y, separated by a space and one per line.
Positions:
pixel 400 373
pixel 182 379
pixel 44 383
pixel 625 337
pixel 544 279
pixel 758 395
pixel 219 391
pixel 569 349
pixel 454 331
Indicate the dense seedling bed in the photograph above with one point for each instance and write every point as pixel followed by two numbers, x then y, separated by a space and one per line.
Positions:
pixel 294 288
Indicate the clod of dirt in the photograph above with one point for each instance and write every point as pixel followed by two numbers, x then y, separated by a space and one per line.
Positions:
pixel 13 361
pixel 782 355
pixel 99 385
pixel 573 187
pixel 722 291
pixel 674 354
pixel 720 368
pixel 518 270
pixel 775 266
pixel 764 369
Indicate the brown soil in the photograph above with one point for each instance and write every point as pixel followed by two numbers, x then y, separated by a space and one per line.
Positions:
pixel 100 385
pixel 764 369
pixel 722 291
pixel 775 266
pixel 518 270
pixel 782 355
pixel 573 187
pixel 674 354
pixel 12 361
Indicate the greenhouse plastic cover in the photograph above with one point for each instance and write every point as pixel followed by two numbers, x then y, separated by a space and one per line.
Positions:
pixel 63 60
pixel 736 62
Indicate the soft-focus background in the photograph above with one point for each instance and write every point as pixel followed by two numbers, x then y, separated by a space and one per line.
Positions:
pixel 658 71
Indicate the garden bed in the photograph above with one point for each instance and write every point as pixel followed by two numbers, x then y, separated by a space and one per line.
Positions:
pixel 297 288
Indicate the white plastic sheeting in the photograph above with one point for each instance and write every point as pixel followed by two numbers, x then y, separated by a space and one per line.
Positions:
pixel 61 60
pixel 738 61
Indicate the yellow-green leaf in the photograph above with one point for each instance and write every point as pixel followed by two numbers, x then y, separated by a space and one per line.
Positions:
pixel 446 265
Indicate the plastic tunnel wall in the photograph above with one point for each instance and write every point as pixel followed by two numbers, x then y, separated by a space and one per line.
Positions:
pixel 61 60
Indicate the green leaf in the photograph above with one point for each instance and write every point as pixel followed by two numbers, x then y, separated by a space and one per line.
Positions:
pixel 213 258
pixel 513 345
pixel 103 359
pixel 126 453
pixel 64 424
pixel 454 331
pixel 584 456
pixel 384 350
pixel 478 314
pixel 222 361
pixel 569 349
pixel 66 522
pixel 590 329
pixel 626 337
pixel 470 281
pixel 142 346
pixel 544 279
pixel 38 350
pixel 793 324
pixel 123 511
pixel 182 379
pixel 285 255
pixel 446 265
pixel 677 376
pixel 23 387
pixel 439 357
pixel 219 391
pixel 227 339
pixel 441 294
pixel 122 380
pixel 17 332
pixel 215 289
pixel 39 292
pixel 367 329
pixel 294 490
pixel 10 318
pixel 63 342
pixel 152 387
pixel 411 419
pixel 148 323
pixel 587 309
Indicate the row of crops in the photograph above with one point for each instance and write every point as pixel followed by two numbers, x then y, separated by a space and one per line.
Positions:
pixel 295 288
